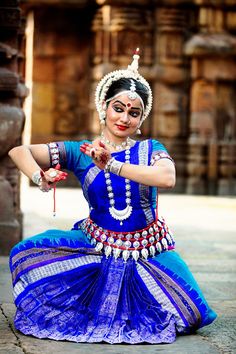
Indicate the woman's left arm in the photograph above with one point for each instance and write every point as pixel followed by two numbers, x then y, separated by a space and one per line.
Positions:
pixel 161 174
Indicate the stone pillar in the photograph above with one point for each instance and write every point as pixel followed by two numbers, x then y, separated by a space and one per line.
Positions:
pixel 61 73
pixel 212 138
pixel 171 84
pixel 12 94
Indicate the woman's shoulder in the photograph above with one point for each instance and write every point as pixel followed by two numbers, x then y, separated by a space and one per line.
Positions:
pixel 75 144
pixel 155 144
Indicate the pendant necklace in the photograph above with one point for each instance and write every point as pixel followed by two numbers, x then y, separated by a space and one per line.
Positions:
pixel 125 213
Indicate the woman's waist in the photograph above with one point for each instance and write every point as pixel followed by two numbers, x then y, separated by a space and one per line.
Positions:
pixel 137 219
pixel 154 238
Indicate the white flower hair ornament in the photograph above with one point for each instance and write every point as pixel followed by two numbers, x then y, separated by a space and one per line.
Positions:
pixel 130 73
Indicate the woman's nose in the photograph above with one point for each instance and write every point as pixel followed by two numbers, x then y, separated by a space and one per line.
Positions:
pixel 125 117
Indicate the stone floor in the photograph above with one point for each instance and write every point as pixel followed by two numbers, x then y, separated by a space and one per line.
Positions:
pixel 205 232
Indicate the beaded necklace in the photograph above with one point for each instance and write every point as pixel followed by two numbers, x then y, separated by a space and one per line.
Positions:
pixel 118 147
pixel 125 213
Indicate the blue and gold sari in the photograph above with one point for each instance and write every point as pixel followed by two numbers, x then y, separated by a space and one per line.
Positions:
pixel 66 289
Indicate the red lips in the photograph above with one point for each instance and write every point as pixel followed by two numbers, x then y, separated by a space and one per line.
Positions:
pixel 122 127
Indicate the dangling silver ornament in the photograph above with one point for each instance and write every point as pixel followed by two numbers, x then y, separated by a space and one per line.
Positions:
pixel 121 214
pixel 135 255
pixel 108 250
pixel 116 252
pixel 125 255
pixel 99 247
pixel 164 243
pixel 93 242
pixel 159 247
pixel 152 251
pixel 144 253
pixel 169 239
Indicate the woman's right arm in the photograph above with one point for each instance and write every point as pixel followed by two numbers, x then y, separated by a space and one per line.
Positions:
pixel 32 158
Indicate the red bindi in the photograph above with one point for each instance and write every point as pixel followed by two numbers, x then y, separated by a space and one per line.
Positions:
pixel 128 105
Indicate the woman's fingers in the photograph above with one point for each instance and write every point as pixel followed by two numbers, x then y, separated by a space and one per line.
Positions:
pixel 102 145
pixel 43 176
pixel 60 177
pixel 53 175
pixel 85 148
pixel 88 149
pixel 99 153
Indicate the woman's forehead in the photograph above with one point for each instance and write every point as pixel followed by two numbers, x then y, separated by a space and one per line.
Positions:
pixel 126 101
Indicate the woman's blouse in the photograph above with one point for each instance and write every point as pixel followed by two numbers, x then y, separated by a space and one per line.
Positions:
pixel 93 182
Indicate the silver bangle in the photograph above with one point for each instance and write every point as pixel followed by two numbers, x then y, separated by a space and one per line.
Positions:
pixel 44 189
pixel 36 177
pixel 108 165
pixel 114 166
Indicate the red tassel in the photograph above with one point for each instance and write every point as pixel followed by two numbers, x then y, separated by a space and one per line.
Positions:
pixel 58 166
pixel 54 200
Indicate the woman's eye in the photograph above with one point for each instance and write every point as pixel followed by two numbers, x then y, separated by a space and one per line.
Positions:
pixel 117 109
pixel 134 114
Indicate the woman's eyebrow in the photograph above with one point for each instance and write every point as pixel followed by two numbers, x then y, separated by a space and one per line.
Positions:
pixel 124 105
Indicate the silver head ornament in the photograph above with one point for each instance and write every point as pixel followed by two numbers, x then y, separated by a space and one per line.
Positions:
pixel 130 73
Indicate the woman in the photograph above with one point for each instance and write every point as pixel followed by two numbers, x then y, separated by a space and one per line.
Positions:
pixel 115 277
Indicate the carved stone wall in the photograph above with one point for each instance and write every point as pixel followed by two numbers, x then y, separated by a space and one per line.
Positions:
pixel 12 94
pixel 171 84
pixel 212 126
pixel 117 32
pixel 187 55
pixel 61 74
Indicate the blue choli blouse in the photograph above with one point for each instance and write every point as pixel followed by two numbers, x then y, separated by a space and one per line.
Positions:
pixel 92 179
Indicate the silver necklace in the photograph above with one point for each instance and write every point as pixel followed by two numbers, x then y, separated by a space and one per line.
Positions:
pixel 125 144
pixel 125 213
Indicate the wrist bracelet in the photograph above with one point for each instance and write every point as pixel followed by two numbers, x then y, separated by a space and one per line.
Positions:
pixel 114 166
pixel 36 177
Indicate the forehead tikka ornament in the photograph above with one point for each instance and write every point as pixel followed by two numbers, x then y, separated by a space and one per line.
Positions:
pixel 132 94
pixel 130 73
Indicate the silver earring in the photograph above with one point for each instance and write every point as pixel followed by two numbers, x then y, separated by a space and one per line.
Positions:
pixel 103 122
pixel 138 131
pixel 102 116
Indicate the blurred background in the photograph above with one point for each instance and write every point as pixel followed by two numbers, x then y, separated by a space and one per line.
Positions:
pixel 53 53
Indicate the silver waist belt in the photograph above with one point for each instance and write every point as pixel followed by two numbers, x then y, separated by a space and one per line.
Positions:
pixel 144 243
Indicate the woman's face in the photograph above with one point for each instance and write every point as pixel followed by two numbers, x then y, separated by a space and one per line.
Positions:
pixel 123 116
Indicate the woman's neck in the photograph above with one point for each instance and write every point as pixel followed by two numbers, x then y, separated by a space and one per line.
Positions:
pixel 115 143
pixel 113 138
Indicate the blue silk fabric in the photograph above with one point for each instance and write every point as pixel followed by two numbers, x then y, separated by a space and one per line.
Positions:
pixel 65 290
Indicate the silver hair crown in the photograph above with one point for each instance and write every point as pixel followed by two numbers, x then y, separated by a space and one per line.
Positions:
pixel 130 73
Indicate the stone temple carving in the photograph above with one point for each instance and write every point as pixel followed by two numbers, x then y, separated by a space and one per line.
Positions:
pixel 12 93
pixel 188 51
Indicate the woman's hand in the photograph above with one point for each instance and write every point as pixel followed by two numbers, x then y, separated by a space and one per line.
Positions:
pixel 99 153
pixel 50 177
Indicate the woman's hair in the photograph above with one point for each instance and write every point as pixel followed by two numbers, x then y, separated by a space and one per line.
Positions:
pixel 124 85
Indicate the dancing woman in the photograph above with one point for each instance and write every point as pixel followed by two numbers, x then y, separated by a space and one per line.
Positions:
pixel 116 276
